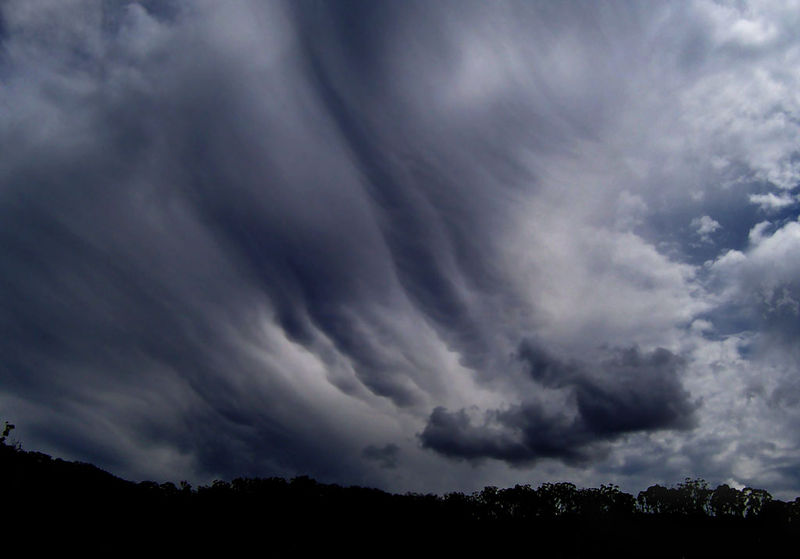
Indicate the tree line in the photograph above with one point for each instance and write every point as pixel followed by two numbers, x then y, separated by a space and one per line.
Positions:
pixel 689 519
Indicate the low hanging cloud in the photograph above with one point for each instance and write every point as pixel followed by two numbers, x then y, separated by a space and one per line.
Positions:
pixel 627 391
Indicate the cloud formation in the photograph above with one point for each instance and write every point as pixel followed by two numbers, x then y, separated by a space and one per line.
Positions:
pixel 626 392
pixel 359 240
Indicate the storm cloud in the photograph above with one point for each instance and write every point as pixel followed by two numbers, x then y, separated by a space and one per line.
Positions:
pixel 625 392
pixel 357 240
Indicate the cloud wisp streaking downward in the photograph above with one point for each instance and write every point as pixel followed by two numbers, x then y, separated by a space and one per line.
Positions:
pixel 420 246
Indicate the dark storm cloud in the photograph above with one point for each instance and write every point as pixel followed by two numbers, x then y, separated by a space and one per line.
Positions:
pixel 518 435
pixel 436 220
pixel 626 391
pixel 385 455
pixel 160 201
pixel 148 227
pixel 635 391
pixel 254 238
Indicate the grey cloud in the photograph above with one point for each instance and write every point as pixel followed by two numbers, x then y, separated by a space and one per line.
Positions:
pixel 625 392
pixel 759 285
pixel 157 225
pixel 154 240
pixel 622 390
pixel 252 238
pixel 386 456
pixel 636 391
pixel 518 435
pixel 770 202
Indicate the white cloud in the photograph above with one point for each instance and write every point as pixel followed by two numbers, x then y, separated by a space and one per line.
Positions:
pixel 770 202
pixel 704 226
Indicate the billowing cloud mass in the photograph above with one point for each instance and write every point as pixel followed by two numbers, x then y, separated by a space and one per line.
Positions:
pixel 421 246
pixel 628 392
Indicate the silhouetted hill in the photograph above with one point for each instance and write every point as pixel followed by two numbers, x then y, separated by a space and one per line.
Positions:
pixel 52 496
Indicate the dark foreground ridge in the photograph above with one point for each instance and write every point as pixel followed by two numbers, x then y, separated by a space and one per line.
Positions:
pixel 89 506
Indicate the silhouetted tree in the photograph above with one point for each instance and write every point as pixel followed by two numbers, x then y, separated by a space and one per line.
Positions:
pixel 489 503
pixel 727 501
pixel 692 497
pixel 656 499
pixel 522 501
pixel 7 428
pixel 608 500
pixel 755 500
pixel 458 506
pixel 558 499
pixel 793 512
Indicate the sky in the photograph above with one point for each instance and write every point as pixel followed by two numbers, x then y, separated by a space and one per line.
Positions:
pixel 420 246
